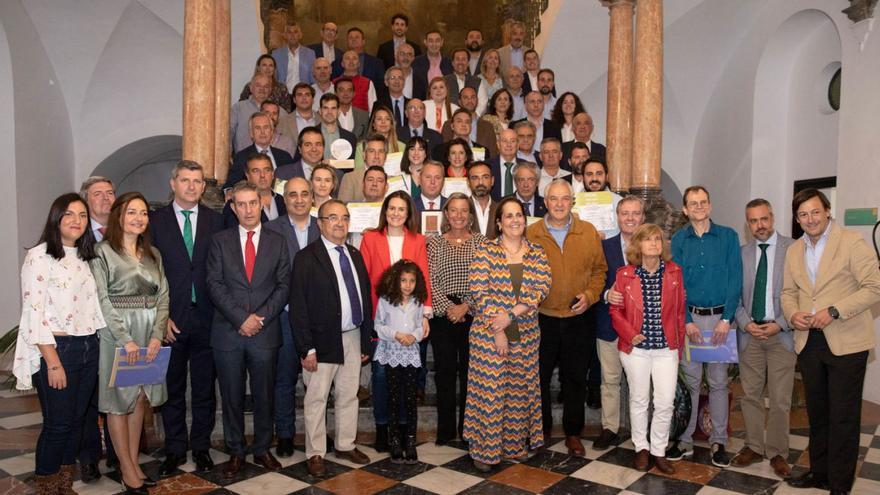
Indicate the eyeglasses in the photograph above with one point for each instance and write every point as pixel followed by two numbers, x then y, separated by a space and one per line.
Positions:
pixel 336 218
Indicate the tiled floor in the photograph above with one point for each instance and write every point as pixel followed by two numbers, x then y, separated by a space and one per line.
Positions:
pixel 448 470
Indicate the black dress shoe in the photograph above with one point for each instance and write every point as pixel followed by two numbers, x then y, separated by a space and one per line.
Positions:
pixel 89 472
pixel 149 482
pixel 203 460
pixel 141 490
pixel 170 464
pixel 284 447
pixel 839 492
pixel 808 480
pixel 233 467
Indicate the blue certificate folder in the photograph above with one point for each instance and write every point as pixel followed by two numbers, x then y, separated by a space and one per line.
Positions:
pixel 142 372
pixel 708 353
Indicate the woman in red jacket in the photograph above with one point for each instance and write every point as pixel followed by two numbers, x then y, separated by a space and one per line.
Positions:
pixel 650 324
pixel 394 239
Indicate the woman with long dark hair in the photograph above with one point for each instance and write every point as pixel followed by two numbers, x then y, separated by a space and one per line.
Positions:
pixel 567 106
pixel 134 299
pixel 499 112
pixel 57 346
pixel 414 156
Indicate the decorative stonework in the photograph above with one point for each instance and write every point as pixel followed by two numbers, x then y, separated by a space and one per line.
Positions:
pixel 860 10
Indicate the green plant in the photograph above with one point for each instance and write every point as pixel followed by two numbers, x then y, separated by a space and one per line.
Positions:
pixel 7 341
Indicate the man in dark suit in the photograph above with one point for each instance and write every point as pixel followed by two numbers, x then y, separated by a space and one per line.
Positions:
pixel 422 64
pixel 182 233
pixel 370 66
pixel 399 26
pixel 630 215
pixel 415 126
pixel 503 164
pixel 766 344
pixel 262 133
pixel 327 47
pixel 544 128
pixel 480 182
pixel 582 126
pixel 526 176
pixel 459 78
pixel 330 308
pixel 311 152
pixel 432 187
pixel 464 124
pixel 261 175
pixel 248 279
pixel 298 228
pixel 393 97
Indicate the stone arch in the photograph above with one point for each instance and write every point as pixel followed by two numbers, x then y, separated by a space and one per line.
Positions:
pixel 143 165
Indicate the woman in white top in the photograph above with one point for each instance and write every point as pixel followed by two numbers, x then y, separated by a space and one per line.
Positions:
pixel 438 108
pixel 567 106
pixel 490 76
pixel 57 347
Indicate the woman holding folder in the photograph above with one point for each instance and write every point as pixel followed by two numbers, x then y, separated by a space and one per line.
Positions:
pixel 134 299
pixel 57 347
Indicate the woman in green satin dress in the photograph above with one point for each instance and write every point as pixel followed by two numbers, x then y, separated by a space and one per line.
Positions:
pixel 134 299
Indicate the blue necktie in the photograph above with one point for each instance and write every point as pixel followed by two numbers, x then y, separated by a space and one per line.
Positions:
pixel 354 300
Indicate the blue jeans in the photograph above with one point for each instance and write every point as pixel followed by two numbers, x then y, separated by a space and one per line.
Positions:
pixel 286 375
pixel 64 410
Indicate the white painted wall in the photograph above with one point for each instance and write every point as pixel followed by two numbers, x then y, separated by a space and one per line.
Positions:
pixel 9 245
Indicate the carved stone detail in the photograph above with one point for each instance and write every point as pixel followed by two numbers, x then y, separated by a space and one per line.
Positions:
pixel 859 10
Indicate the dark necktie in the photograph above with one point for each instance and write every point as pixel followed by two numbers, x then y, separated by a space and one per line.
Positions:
pixel 354 299
pixel 528 205
pixel 759 296
pixel 508 177
pixel 397 117
pixel 415 132
pixel 188 242
pixel 250 256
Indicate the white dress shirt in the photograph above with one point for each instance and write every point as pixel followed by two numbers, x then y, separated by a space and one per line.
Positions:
pixel 814 252
pixel 426 201
pixel 545 178
pixel 482 215
pixel 346 120
pixel 407 85
pixel 346 321
pixel 181 220
pixel 96 229
pixel 292 69
pixel 329 52
pixel 268 153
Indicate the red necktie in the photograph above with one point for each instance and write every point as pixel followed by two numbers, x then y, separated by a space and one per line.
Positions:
pixel 438 117
pixel 103 231
pixel 250 256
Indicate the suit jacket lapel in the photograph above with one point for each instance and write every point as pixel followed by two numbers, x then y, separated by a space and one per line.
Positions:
pixel 779 264
pixel 237 252
pixel 314 232
pixel 203 232
pixel 324 259
pixel 750 270
pixel 170 217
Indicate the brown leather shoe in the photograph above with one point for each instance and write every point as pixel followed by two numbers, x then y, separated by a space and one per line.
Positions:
pixel 315 465
pixel 642 461
pixel 574 445
pixel 268 461
pixel 663 465
pixel 354 455
pixel 780 467
pixel 233 467
pixel 746 457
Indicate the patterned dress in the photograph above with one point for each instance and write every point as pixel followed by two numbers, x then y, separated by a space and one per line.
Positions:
pixel 502 417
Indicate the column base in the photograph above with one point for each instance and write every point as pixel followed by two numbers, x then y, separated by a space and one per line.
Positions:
pixel 213 197
pixel 658 211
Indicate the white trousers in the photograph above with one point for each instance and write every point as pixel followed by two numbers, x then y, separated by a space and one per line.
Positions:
pixel 643 367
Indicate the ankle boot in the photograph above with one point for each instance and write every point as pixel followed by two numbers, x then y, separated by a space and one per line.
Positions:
pixel 411 456
pixel 395 445
pixel 65 480
pixel 47 485
pixel 381 438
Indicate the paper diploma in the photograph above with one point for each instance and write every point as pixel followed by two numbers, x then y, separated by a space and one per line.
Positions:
pixel 363 216
pixel 341 164
pixel 392 163
pixel 479 154
pixel 396 183
pixel 596 208
pixel 455 184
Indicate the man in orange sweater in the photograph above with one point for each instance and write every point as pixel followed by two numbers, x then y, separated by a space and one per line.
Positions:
pixel 577 265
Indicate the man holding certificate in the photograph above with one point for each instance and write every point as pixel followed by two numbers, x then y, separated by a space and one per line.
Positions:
pixel 710 256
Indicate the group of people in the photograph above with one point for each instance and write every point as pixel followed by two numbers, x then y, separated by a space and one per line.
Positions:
pixel 515 284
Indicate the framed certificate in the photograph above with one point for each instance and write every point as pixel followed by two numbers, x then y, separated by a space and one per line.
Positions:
pixel 431 222
pixel 363 216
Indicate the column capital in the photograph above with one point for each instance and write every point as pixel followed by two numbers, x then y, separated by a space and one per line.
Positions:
pixel 617 3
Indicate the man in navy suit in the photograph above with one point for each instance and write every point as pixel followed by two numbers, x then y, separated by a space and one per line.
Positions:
pixel 399 26
pixel 460 78
pixel 422 64
pixel 261 175
pixel 262 133
pixel 525 175
pixel 248 279
pixel 311 152
pixel 630 214
pixel 295 52
pixel 582 127
pixel 432 187
pixel 330 308
pixel 393 97
pixel 182 233
pixel 299 229
pixel 503 164
pixel 544 128
pixel 370 66
pixel 327 47
pixel 415 126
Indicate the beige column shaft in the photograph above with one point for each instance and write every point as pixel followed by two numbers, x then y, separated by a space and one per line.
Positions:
pixel 620 87
pixel 223 48
pixel 648 96
pixel 199 83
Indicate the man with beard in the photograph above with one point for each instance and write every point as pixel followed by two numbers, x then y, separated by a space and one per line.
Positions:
pixel 404 56
pixel 575 164
pixel 460 79
pixel 596 179
pixel 480 182
pixel 512 54
pixel 474 44
pixel 387 50
pixel 547 88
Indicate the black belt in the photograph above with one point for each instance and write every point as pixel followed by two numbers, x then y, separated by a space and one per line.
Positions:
pixel 762 322
pixel 717 310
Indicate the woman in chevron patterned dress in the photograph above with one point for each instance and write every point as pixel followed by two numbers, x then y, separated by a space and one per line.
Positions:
pixel 508 278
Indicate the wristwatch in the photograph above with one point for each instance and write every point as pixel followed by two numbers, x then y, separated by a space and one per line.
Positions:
pixel 833 312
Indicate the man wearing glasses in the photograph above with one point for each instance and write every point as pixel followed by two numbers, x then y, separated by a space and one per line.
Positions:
pixel 330 310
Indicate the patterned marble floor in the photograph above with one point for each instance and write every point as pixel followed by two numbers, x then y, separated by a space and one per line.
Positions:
pixel 447 469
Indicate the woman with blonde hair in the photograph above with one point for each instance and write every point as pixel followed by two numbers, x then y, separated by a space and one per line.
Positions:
pixel 382 123
pixel 438 108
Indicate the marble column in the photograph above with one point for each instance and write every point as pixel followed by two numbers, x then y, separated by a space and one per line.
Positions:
pixel 648 97
pixel 199 83
pixel 620 80
pixel 222 82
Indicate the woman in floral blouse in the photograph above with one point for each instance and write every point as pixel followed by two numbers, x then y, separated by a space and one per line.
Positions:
pixel 57 347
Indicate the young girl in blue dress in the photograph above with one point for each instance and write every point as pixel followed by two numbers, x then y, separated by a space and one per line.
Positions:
pixel 402 293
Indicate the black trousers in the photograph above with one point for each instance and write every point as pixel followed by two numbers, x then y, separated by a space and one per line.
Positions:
pixel 190 354
pixel 402 388
pixel 569 343
pixel 833 387
pixel 90 438
pixel 450 343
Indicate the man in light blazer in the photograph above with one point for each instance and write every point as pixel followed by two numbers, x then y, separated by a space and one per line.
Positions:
pixel 766 347
pixel 831 282
pixel 248 279
pixel 304 55
pixel 299 229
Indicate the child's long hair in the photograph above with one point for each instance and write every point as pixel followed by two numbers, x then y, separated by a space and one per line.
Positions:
pixel 389 285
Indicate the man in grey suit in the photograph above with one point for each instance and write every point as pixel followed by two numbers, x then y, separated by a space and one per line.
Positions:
pixel 460 78
pixel 299 229
pixel 766 347
pixel 249 291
